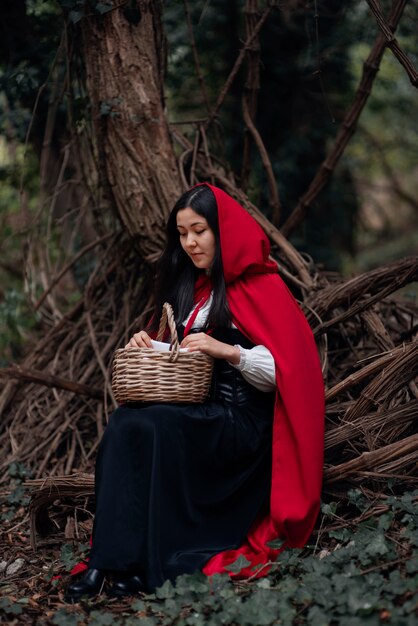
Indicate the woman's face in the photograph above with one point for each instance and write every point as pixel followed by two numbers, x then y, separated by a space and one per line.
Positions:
pixel 196 237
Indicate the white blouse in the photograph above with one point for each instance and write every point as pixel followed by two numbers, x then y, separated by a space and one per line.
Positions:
pixel 256 364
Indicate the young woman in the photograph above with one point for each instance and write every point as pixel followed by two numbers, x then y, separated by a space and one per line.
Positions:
pixel 184 487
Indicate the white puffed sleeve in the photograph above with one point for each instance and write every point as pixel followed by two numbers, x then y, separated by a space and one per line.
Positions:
pixel 257 367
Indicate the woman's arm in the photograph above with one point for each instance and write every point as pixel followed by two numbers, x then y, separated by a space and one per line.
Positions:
pixel 213 347
pixel 257 367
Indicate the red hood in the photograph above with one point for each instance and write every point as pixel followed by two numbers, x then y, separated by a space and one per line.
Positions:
pixel 244 245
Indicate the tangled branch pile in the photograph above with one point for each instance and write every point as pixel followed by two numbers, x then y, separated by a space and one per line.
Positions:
pixel 368 349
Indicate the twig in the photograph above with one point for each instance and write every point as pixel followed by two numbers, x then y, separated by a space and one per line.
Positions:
pixel 196 57
pixel 348 292
pixel 238 64
pixel 21 523
pixel 392 42
pixel 365 372
pixel 383 566
pixel 406 278
pixel 274 193
pixel 252 86
pixel 372 459
pixel 207 152
pixel 192 176
pixel 96 349
pixel 69 265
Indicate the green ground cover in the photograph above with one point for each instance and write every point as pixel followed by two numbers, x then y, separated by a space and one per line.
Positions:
pixel 361 569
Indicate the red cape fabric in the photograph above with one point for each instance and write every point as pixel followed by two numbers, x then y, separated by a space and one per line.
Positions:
pixel 265 311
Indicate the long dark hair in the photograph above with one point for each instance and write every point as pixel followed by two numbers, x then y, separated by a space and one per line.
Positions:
pixel 176 273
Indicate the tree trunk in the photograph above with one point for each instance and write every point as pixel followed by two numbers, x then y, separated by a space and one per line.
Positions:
pixel 124 67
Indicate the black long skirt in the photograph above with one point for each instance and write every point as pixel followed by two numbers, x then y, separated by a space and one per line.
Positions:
pixel 176 484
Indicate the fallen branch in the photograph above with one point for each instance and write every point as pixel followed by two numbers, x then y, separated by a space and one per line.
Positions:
pixel 371 461
pixel 366 371
pixel 400 371
pixel 361 291
pixel 49 380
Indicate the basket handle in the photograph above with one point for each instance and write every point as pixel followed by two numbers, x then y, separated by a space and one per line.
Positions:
pixel 167 316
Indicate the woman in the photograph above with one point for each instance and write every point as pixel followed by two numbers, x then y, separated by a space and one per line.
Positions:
pixel 185 487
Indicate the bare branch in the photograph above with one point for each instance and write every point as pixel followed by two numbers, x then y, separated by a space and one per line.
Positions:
pixel 392 42
pixel 196 57
pixel 252 86
pixel 274 193
pixel 50 380
pixel 238 64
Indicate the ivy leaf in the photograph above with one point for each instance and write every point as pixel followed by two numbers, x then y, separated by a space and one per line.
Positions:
pixel 138 605
pixel 64 618
pixel 104 7
pixel 197 583
pixel 329 509
pixel 67 556
pixel 407 504
pixel 165 591
pixel 385 520
pixel 361 604
pixel 342 534
pixel 196 619
pixel 264 583
pixel 139 621
pixel 18 470
pixel 9 607
pixel 317 617
pixel 412 565
pixel 75 16
pixel 377 546
pixel 356 497
pixel 237 566
pixel 275 544
pixel 97 618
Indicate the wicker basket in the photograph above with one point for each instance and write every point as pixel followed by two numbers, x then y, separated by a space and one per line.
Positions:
pixel 147 375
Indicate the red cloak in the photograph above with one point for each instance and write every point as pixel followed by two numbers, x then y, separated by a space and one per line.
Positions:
pixel 265 311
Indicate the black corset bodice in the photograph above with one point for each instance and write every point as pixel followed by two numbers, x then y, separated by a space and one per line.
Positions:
pixel 228 384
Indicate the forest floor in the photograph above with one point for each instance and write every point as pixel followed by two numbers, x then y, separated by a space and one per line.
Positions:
pixel 361 569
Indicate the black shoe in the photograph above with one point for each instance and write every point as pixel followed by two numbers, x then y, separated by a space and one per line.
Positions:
pixel 90 585
pixel 126 585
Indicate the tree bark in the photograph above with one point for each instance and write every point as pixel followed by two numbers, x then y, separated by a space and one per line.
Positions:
pixel 124 67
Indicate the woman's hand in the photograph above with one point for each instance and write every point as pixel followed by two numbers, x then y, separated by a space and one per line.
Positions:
pixel 208 345
pixel 140 340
